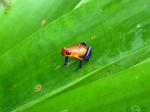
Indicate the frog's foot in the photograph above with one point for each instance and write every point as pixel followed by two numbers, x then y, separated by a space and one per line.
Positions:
pixel 84 43
pixel 88 54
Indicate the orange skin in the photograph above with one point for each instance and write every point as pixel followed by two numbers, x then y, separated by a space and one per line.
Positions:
pixel 76 52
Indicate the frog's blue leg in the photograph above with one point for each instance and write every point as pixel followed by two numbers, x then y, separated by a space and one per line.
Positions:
pixel 66 61
pixel 88 54
pixel 84 43
pixel 80 65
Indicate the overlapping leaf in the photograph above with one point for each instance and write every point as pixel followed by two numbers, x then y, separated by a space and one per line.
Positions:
pixel 23 17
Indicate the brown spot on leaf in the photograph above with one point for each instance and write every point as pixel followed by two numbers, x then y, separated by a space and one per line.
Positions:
pixel 43 22
pixel 7 9
pixel 38 88
pixel 6 5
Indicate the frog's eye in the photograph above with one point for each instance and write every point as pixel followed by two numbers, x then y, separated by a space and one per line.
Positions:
pixel 68 52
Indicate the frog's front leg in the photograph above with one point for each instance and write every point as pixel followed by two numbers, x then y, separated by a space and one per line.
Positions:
pixel 66 61
pixel 80 65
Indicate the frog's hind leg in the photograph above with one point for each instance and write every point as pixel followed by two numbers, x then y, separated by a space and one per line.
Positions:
pixel 84 43
pixel 88 54
pixel 66 61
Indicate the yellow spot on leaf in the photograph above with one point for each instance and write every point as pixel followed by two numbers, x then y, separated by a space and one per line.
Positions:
pixel 38 88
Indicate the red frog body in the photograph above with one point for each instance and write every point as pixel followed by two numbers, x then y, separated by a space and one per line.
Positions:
pixel 81 52
pixel 76 52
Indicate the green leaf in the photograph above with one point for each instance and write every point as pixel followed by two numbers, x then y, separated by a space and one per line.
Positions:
pixel 32 71
pixel 126 91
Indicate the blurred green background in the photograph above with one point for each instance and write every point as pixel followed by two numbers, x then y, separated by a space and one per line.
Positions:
pixel 32 76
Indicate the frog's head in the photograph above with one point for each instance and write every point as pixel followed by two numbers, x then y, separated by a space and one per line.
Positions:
pixel 66 52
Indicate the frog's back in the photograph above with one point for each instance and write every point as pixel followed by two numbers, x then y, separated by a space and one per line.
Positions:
pixel 78 50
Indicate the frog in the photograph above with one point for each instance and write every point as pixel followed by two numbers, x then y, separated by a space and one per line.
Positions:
pixel 81 52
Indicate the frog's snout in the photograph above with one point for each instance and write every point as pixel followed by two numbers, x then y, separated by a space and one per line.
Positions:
pixel 63 52
pixel 66 52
